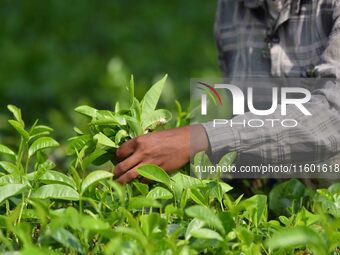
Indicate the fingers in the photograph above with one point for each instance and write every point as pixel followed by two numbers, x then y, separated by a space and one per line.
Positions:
pixel 126 149
pixel 129 176
pixel 127 164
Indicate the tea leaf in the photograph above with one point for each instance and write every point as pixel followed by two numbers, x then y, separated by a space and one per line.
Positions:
pixel 8 167
pixel 16 113
pixel 86 111
pixel 5 150
pixel 93 178
pixel 156 118
pixel 134 127
pixel 104 140
pixel 40 129
pixel 285 195
pixel 41 144
pixel 205 214
pixel 228 159
pixel 56 191
pixel 141 187
pixel 197 196
pixel 89 223
pixel 151 97
pixel 13 179
pixel 193 225
pixel 205 233
pixel 150 222
pixel 135 110
pixel 334 188
pixel 105 117
pixel 10 190
pixel 256 206
pixel 142 202
pixel 19 127
pixel 131 89
pixel 93 157
pixel 298 237
pixel 121 134
pixel 225 187
pixel 159 193
pixel 51 176
pixel 67 239
pixel 227 221
pixel 181 182
pixel 154 173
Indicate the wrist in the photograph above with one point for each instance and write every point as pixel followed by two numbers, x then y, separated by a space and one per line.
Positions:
pixel 198 139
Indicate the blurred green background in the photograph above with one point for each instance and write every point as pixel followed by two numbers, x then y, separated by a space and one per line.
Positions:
pixel 55 54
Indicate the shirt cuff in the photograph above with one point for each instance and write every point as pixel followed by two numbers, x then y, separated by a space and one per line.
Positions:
pixel 222 140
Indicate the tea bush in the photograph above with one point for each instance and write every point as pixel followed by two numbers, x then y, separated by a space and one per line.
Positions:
pixel 82 210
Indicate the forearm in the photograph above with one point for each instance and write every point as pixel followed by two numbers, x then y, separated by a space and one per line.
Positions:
pixel 315 138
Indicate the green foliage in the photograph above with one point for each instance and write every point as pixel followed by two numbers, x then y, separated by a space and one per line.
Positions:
pixel 94 177
pixel 155 173
pixel 55 191
pixel 10 190
pixel 84 211
pixel 287 196
pixel 299 236
pixel 56 55
pixel 109 129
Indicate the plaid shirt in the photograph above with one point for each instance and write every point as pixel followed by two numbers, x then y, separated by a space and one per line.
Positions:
pixel 304 42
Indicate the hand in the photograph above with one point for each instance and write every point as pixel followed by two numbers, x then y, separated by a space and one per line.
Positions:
pixel 170 149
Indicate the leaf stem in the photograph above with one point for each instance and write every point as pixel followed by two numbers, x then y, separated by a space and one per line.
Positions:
pixel 23 205
pixel 19 157
pixel 80 205
pixel 27 163
pixel 222 208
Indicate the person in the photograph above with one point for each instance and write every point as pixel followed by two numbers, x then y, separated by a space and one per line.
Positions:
pixel 261 38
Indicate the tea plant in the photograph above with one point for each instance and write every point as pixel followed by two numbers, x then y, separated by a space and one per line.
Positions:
pixel 109 129
pixel 84 211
